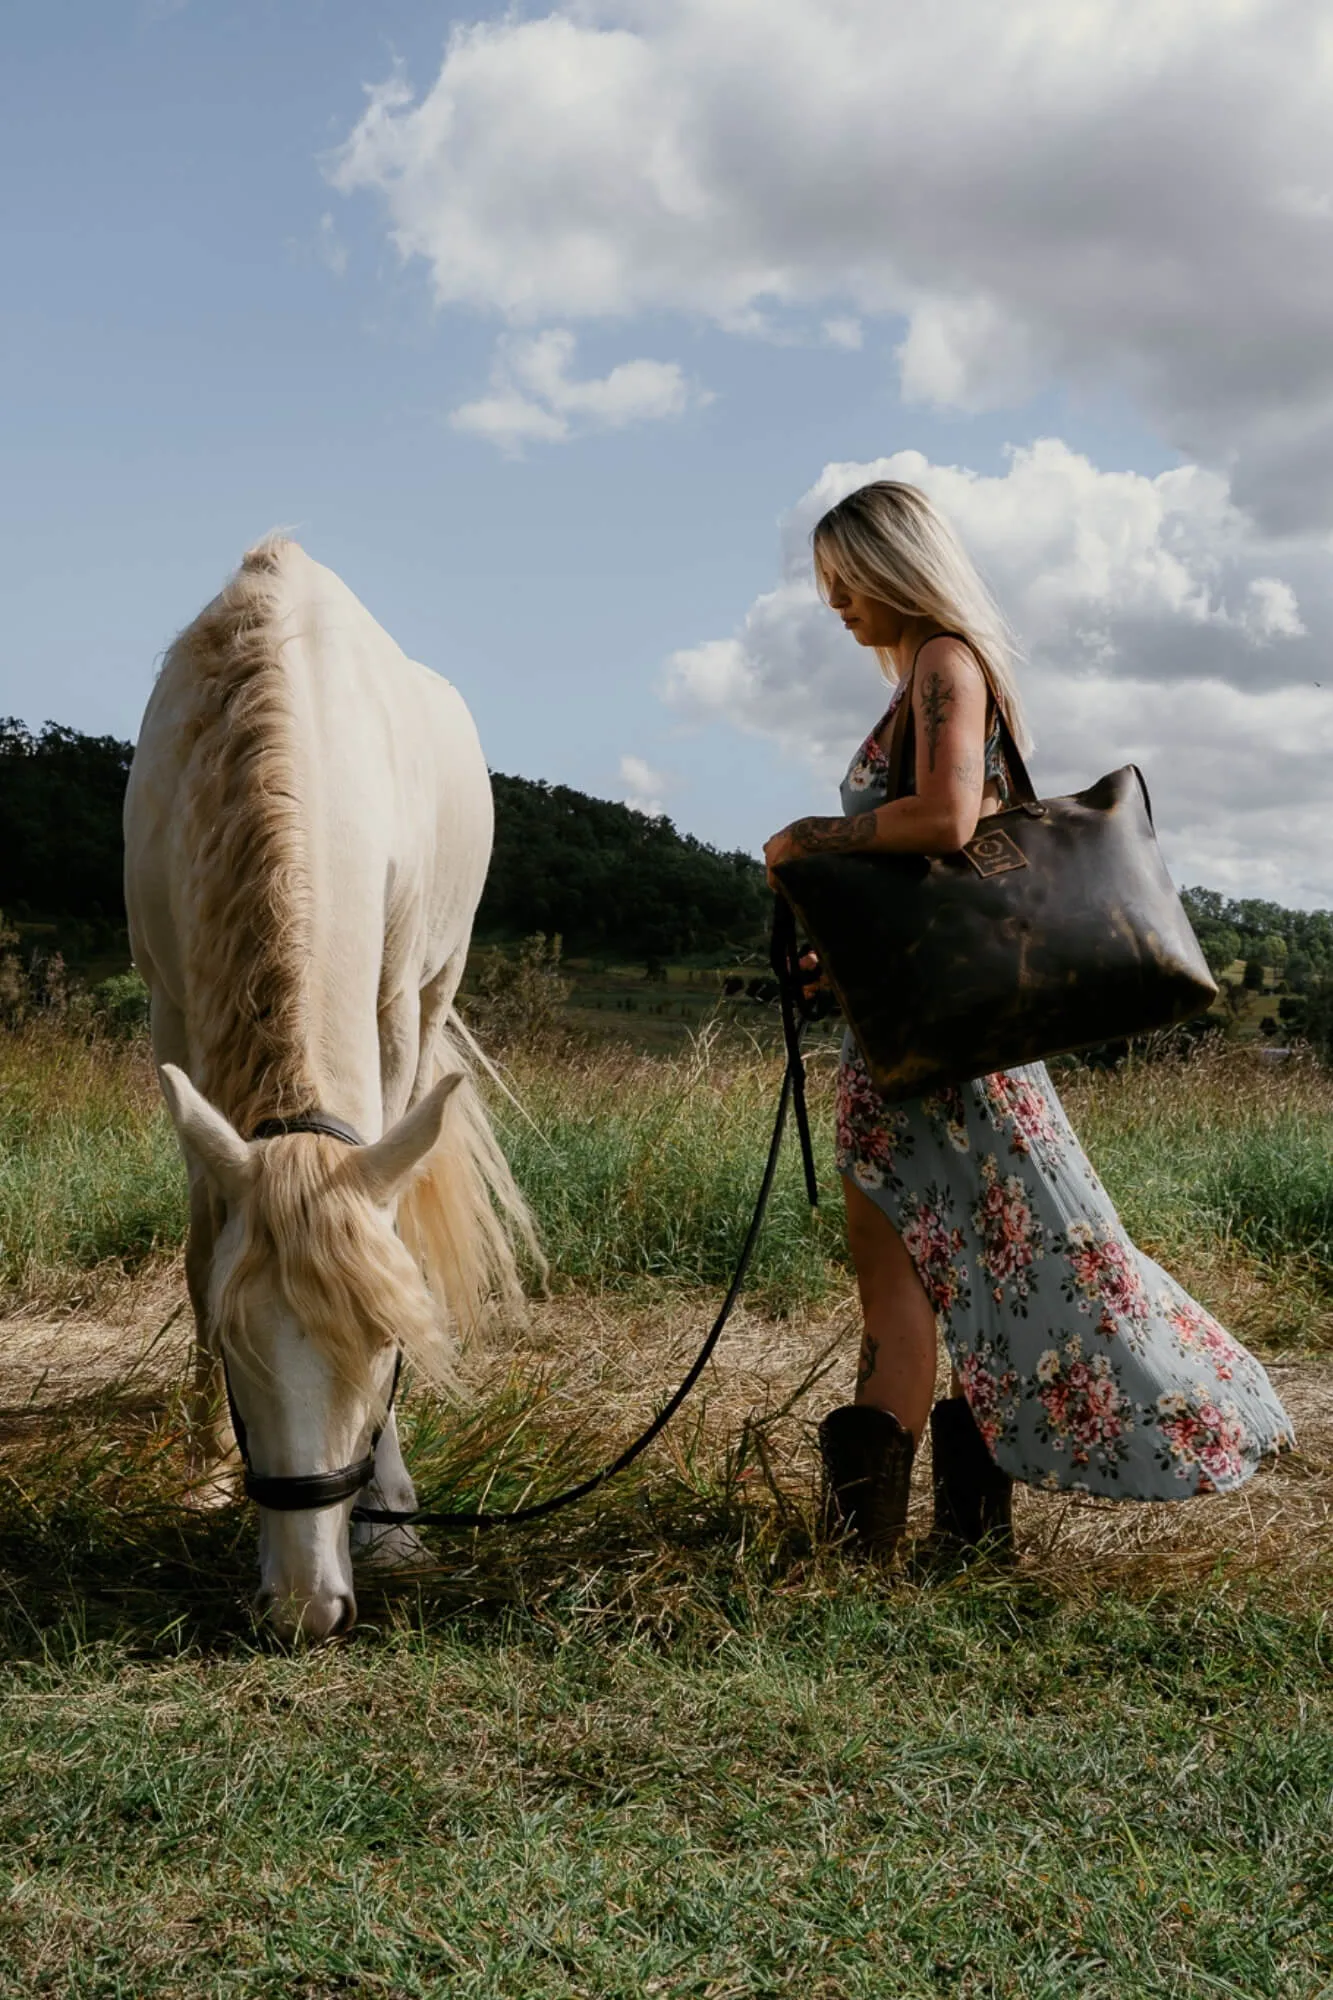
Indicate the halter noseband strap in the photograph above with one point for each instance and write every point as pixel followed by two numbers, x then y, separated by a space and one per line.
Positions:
pixel 291 1493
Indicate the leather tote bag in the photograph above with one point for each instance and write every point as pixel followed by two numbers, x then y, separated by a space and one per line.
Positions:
pixel 1055 928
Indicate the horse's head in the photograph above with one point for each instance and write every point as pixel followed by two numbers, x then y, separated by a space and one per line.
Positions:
pixel 312 1297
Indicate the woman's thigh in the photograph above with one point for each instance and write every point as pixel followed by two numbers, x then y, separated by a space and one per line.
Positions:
pixel 885 1274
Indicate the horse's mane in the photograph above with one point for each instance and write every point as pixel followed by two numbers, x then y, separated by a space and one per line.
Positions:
pixel 248 939
pixel 246 948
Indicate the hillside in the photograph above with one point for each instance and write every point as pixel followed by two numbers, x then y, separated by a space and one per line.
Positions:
pixel 608 879
pixel 611 881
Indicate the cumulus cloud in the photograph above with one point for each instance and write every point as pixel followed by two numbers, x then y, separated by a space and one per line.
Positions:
pixel 535 399
pixel 1136 192
pixel 645 788
pixel 1160 626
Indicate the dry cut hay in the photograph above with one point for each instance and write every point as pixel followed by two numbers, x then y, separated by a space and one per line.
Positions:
pixel 591 1369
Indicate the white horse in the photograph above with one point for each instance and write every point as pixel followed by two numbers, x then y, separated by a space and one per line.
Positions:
pixel 307 828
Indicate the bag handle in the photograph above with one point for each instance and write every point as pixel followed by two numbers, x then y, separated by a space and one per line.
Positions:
pixel 904 731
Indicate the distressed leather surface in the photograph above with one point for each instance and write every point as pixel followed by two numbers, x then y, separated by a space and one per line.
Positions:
pixel 944 972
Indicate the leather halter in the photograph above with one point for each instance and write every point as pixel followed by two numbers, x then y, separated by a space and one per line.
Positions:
pixel 291 1493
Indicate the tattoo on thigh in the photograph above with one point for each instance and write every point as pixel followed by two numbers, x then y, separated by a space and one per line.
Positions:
pixel 866 1360
pixel 936 698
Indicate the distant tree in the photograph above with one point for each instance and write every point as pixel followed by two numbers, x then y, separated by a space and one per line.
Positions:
pixel 61 795
pixel 609 879
pixel 1273 951
pixel 1317 1023
pixel 1253 981
pixel 1221 947
pixel 1298 972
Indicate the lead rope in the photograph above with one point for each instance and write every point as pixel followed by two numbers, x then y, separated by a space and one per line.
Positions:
pixel 784 958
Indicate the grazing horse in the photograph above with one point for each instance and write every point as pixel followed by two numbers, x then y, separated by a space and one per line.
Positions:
pixel 307 829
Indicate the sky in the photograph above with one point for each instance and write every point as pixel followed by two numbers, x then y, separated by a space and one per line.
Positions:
pixel 553 331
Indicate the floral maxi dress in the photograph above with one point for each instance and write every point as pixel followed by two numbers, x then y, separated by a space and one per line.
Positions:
pixel 1084 1363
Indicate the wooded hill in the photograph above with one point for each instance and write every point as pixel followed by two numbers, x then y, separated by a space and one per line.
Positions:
pixel 611 881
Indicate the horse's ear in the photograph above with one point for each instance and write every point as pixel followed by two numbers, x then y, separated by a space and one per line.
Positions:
pixel 204 1133
pixel 385 1168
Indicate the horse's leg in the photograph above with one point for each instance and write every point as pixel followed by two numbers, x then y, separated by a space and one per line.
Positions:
pixel 211 1451
pixel 434 1002
pixel 391 1489
pixel 212 1454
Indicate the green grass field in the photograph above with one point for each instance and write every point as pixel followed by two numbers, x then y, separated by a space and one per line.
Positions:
pixel 669 1745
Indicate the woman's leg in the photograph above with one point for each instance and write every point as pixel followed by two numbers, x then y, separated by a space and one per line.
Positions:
pixel 896 1369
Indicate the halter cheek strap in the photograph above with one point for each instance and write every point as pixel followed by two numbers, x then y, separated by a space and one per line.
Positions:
pixel 291 1493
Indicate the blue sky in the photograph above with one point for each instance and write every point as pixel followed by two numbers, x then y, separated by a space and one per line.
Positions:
pixel 212 327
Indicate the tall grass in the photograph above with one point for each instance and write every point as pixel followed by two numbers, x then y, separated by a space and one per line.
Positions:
pixel 644 1168
pixel 90 1173
pixel 647 1167
pixel 1222 1147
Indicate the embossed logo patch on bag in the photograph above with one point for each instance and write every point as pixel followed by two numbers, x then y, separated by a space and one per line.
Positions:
pixel 994 854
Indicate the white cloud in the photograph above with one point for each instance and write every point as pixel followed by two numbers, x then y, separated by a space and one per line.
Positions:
pixel 1123 192
pixel 535 399
pixel 1160 626
pixel 843 331
pixel 645 788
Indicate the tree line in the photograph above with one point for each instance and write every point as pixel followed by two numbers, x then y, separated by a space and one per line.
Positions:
pixel 609 880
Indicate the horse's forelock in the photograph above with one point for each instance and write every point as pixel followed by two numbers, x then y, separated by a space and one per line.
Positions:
pixel 311 1235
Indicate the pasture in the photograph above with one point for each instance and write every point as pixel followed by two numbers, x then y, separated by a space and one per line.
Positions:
pixel 665 1745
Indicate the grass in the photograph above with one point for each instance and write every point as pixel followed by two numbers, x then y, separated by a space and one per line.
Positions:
pixel 1220 1162
pixel 642 1169
pixel 670 1747
pixel 668 1744
pixel 856 1799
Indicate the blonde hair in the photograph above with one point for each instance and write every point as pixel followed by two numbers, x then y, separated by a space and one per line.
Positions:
pixel 310 1233
pixel 887 541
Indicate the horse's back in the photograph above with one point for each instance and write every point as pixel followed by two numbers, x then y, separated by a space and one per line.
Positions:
pixel 381 755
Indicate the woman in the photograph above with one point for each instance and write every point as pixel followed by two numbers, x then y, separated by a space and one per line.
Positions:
pixel 974 1213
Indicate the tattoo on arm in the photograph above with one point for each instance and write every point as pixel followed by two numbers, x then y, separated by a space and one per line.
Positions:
pixel 968 772
pixel 866 1360
pixel 936 700
pixel 834 836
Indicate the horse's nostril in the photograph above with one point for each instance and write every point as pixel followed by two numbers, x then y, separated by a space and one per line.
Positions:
pixel 346 1619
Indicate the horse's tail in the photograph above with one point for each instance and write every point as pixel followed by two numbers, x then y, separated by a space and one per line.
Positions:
pixel 464 1218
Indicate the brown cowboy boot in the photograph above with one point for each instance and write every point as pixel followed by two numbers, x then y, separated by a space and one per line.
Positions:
pixel 867 1476
pixel 973 1497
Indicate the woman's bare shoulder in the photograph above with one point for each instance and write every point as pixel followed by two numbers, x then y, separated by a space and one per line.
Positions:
pixel 947 653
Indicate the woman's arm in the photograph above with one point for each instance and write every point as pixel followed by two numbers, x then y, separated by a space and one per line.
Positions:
pixel 949 709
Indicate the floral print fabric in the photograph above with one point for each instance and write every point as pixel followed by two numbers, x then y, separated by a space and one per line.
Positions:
pixel 1084 1363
